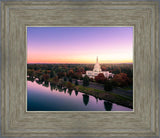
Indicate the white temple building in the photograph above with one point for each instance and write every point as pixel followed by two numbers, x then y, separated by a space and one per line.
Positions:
pixel 97 69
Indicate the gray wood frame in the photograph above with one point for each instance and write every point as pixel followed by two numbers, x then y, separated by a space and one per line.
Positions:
pixel 143 121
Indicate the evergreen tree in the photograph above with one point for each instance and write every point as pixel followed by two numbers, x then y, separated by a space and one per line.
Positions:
pixel 108 85
pixel 85 80
pixel 51 74
pixel 76 82
pixel 70 79
pixel 65 78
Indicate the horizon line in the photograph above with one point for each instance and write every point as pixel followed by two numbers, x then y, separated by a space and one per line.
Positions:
pixel 81 63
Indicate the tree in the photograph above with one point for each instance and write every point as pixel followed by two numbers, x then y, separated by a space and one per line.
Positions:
pixel 85 99
pixel 45 71
pixel 107 106
pixel 91 79
pixel 77 75
pixel 60 83
pixel 70 73
pixel 100 78
pixel 30 73
pixel 69 85
pixel 65 78
pixel 121 79
pixel 70 79
pixel 54 80
pixel 35 68
pixel 85 80
pixel 60 74
pixel 108 85
pixel 38 73
pixel 45 77
pixel 76 82
pixel 52 74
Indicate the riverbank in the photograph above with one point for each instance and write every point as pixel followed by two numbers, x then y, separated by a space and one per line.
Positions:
pixel 101 94
pixel 124 92
pixel 111 96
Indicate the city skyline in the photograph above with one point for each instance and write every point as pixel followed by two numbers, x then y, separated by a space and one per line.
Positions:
pixel 81 45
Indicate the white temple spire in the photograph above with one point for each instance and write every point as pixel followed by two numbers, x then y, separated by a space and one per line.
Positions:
pixel 96 70
pixel 97 67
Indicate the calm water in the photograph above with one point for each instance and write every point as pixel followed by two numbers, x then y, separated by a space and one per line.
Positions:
pixel 42 97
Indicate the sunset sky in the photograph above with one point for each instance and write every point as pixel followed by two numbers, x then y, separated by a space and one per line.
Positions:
pixel 79 44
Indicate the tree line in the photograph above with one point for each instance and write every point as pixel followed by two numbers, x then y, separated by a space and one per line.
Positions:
pixel 55 73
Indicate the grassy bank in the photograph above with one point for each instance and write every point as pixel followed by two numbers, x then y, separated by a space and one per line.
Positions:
pixel 101 94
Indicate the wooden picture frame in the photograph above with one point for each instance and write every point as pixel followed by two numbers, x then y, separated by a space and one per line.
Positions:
pixel 143 121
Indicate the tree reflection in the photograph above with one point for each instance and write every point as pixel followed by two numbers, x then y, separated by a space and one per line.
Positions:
pixel 96 99
pixel 64 90
pixel 76 92
pixel 39 82
pixel 85 99
pixel 52 86
pixel 107 106
pixel 70 91
pixel 46 84
pixel 30 79
pixel 60 88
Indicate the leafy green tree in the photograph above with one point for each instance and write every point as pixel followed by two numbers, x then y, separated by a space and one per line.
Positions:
pixel 85 80
pixel 108 85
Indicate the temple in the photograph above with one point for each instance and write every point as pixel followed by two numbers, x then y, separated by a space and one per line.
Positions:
pixel 97 70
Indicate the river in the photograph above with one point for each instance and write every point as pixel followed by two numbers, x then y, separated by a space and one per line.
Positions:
pixel 42 97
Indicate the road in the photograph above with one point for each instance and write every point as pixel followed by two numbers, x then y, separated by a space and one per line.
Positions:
pixel 125 93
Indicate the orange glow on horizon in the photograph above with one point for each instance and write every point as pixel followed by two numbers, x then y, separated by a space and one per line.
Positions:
pixel 78 61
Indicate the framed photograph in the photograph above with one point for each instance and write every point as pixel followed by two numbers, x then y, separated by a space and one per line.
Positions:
pixel 64 73
pixel 80 69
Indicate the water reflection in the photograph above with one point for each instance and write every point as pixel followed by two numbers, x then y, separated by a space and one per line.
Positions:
pixel 30 79
pixel 60 89
pixel 64 89
pixel 46 84
pixel 96 99
pixel 70 92
pixel 64 100
pixel 39 82
pixel 85 99
pixel 107 106
pixel 76 93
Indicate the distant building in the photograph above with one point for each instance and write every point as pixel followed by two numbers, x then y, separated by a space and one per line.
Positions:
pixel 97 69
